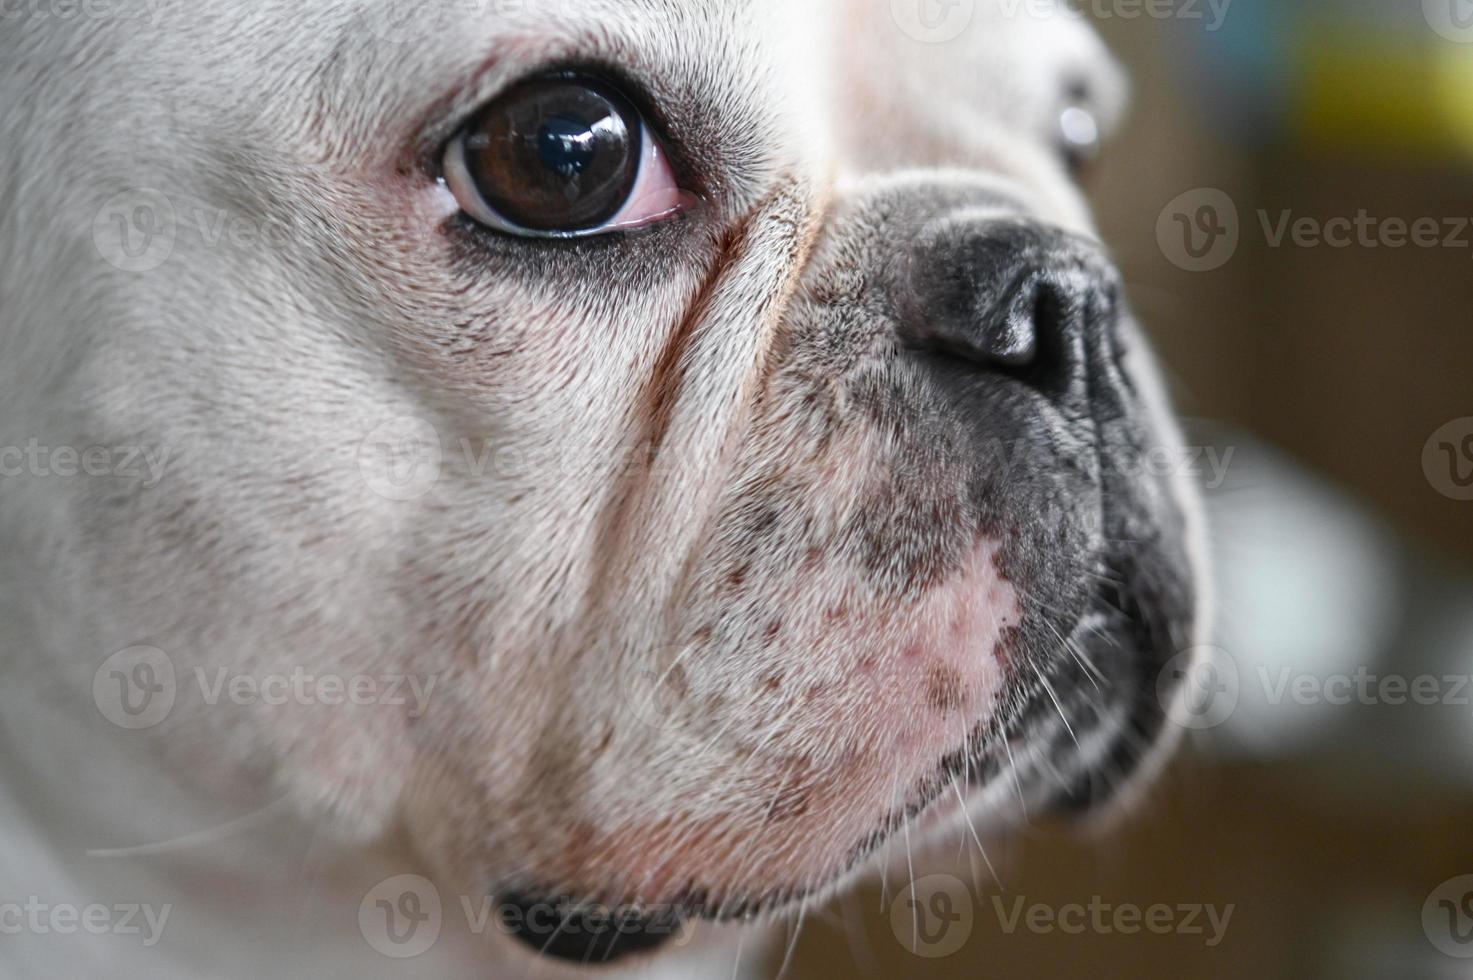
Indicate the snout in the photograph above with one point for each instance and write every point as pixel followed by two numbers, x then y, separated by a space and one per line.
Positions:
pixel 923 579
pixel 925 572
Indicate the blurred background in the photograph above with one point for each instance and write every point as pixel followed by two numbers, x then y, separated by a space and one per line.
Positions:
pixel 1291 201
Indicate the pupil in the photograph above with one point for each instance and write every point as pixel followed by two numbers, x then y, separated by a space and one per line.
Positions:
pixel 566 146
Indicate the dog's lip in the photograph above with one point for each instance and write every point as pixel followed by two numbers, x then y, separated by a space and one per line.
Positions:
pixel 585 933
pixel 941 800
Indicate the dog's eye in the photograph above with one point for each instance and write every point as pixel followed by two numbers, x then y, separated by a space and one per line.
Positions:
pixel 1079 134
pixel 558 157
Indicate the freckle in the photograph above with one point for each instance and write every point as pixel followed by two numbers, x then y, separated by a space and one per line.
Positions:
pixel 738 576
pixel 584 830
pixel 789 804
pixel 867 664
pixel 702 636
pixel 677 680
pixel 944 689
pixel 837 612
pixel 772 682
pixel 815 691
pixel 773 631
pixel 912 651
pixel 812 558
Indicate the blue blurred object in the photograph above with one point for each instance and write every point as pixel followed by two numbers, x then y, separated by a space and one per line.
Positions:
pixel 1348 76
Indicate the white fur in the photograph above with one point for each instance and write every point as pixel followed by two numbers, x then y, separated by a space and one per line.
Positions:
pixel 532 582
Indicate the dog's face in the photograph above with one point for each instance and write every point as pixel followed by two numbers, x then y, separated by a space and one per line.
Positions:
pixel 779 410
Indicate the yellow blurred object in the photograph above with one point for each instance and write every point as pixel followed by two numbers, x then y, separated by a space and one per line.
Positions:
pixel 1370 92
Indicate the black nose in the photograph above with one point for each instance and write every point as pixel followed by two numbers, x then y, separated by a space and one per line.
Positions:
pixel 1012 297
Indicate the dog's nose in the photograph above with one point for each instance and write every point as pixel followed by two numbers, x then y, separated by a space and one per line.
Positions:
pixel 1014 297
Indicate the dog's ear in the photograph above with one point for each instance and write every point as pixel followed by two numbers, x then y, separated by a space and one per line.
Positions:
pixel 965 73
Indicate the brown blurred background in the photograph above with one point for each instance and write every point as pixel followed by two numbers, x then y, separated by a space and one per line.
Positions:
pixel 1335 376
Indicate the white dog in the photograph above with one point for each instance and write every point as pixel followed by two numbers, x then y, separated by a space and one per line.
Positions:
pixel 485 479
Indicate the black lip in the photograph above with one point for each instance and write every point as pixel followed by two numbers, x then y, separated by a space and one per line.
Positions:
pixel 586 934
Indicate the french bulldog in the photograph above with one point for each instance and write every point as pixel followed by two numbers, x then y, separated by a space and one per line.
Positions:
pixel 524 487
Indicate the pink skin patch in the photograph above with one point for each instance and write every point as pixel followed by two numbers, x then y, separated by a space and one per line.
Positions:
pixel 852 715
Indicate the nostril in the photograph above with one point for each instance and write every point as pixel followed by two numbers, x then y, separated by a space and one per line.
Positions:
pixel 1010 340
pixel 1015 299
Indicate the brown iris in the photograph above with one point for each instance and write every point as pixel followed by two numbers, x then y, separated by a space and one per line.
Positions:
pixel 556 154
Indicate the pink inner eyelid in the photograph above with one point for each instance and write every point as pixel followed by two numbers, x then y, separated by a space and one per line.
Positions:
pixel 656 194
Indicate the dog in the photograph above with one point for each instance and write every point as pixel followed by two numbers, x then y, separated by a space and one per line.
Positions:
pixel 515 488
